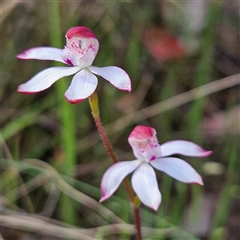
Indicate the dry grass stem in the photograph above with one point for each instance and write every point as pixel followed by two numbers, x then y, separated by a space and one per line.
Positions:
pixel 72 192
pixel 33 224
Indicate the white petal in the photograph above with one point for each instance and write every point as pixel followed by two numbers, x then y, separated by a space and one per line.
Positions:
pixel 82 86
pixel 115 75
pixel 42 53
pixel 177 169
pixel 92 46
pixel 184 148
pixel 87 59
pixel 145 185
pixel 114 176
pixel 46 78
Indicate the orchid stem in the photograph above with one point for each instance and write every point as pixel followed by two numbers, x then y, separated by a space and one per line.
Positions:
pixel 137 221
pixel 93 101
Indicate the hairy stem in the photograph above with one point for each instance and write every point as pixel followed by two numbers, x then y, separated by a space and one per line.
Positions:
pixel 137 221
pixel 93 101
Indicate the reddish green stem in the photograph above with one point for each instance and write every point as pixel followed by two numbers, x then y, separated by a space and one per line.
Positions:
pixel 93 101
pixel 137 221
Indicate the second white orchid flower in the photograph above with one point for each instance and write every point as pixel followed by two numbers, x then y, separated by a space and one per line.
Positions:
pixel 151 155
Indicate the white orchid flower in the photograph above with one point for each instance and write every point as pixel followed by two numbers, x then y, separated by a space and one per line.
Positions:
pixel 151 155
pixel 79 53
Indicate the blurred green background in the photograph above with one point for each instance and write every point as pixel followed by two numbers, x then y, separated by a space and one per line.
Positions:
pixel 183 59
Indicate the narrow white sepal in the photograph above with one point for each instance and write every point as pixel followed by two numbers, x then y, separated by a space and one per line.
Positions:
pixel 46 78
pixel 177 169
pixel 182 147
pixel 42 53
pixel 114 175
pixel 82 86
pixel 115 75
pixel 145 185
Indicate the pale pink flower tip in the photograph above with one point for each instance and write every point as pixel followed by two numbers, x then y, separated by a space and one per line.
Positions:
pixel 80 31
pixel 142 132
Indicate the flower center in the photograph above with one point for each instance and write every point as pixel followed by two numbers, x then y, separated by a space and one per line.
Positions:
pixel 79 51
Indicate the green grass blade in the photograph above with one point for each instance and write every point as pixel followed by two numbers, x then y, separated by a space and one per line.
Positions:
pixel 66 111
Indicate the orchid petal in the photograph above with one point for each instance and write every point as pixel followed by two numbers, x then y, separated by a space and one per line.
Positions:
pixel 82 86
pixel 185 148
pixel 144 143
pixel 91 52
pixel 177 169
pixel 115 75
pixel 145 185
pixel 115 175
pixel 82 47
pixel 42 53
pixel 46 78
